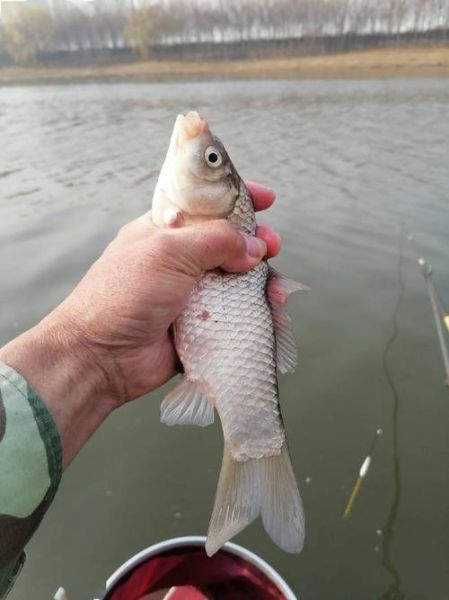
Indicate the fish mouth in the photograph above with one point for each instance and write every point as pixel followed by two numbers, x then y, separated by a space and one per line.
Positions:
pixel 191 125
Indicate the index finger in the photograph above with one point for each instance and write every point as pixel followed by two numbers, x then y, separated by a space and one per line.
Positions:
pixel 262 196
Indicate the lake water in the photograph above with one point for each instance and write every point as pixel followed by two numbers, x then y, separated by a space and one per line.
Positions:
pixel 351 161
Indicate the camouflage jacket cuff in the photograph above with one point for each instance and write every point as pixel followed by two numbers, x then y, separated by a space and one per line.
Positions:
pixel 30 469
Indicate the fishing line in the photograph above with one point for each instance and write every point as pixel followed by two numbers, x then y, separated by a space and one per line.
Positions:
pixel 367 462
pixel 394 590
pixel 441 317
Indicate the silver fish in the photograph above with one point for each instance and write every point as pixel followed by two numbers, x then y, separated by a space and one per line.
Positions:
pixel 230 339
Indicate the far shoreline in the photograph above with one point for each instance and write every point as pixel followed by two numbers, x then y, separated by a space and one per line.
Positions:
pixel 373 63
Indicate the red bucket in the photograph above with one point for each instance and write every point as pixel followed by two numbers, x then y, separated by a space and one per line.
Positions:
pixel 179 569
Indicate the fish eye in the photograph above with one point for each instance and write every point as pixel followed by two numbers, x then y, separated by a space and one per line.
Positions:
pixel 213 157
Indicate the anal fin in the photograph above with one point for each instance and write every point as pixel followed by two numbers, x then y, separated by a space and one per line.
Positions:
pixel 278 289
pixel 187 404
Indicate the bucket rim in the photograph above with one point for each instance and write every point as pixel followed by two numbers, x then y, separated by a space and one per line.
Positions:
pixel 199 540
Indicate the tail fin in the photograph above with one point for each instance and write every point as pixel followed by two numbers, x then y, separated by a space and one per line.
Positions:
pixel 265 487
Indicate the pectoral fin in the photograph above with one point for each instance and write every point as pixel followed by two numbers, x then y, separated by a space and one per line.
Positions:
pixel 278 288
pixel 187 404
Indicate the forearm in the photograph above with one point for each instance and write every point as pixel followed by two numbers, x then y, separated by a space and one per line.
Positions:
pixel 69 379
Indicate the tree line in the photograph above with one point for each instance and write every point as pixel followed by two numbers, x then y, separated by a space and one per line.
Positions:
pixel 38 30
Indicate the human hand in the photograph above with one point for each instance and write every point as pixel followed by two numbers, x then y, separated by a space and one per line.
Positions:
pixel 127 301
pixel 110 340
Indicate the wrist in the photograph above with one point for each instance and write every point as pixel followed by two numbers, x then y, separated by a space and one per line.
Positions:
pixel 69 378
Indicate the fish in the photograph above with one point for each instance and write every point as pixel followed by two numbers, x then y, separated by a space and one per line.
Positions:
pixel 231 339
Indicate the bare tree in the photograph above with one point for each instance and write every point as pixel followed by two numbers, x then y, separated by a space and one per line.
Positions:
pixel 141 25
pixel 28 35
pixel 148 26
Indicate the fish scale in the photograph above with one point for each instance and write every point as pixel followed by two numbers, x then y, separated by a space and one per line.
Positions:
pixel 240 372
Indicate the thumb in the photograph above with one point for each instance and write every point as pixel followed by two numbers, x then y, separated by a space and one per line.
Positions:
pixel 218 244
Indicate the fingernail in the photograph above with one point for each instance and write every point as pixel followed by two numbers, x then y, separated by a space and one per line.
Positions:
pixel 255 247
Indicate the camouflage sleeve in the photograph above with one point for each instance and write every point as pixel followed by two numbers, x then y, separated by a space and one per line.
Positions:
pixel 30 469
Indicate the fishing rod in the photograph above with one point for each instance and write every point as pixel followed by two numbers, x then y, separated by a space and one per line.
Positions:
pixel 443 310
pixel 362 474
pixel 440 312
pixel 440 315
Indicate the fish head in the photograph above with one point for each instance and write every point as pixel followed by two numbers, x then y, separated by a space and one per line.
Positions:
pixel 207 181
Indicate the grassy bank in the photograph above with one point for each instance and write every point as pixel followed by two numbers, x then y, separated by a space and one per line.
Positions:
pixel 397 62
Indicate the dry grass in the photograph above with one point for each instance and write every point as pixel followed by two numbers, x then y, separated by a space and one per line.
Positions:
pixel 400 62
